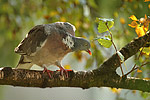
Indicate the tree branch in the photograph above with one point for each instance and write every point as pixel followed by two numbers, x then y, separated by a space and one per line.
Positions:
pixel 104 76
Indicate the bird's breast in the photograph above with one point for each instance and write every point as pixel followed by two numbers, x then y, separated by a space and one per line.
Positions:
pixel 51 51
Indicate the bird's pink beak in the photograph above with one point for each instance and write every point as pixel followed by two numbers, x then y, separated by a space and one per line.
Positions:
pixel 90 53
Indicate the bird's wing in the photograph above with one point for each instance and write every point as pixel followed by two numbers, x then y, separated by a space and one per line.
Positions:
pixel 32 41
pixel 39 34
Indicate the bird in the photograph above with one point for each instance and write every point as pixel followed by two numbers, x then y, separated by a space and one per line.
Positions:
pixel 47 44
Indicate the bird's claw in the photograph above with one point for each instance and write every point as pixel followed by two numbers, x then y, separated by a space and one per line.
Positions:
pixel 62 71
pixel 49 72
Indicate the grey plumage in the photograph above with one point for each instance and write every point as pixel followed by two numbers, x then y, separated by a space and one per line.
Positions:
pixel 80 44
pixel 49 43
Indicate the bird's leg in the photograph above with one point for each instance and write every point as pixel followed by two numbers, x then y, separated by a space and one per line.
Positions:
pixel 49 72
pixel 62 70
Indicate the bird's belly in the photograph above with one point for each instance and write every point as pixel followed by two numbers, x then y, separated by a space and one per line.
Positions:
pixel 47 57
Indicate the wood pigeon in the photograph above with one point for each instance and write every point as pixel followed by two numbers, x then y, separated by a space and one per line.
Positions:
pixel 47 44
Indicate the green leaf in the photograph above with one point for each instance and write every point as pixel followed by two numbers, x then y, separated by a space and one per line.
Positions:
pixel 105 41
pixel 146 50
pixel 102 24
pixel 144 95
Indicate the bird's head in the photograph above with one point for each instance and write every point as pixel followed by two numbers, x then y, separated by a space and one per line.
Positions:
pixel 81 44
pixel 74 43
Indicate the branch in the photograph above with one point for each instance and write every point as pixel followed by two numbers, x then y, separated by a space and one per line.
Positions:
pixel 104 76
pixel 32 78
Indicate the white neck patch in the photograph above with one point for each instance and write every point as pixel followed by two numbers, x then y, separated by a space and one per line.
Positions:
pixel 68 41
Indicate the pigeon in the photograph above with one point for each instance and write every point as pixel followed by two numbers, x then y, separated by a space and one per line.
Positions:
pixel 47 44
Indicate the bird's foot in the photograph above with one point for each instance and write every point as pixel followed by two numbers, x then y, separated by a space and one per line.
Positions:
pixel 49 72
pixel 62 71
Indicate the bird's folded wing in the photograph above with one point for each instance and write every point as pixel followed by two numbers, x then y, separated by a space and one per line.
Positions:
pixel 32 41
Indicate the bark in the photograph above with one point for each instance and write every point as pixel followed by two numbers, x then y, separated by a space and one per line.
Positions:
pixel 103 76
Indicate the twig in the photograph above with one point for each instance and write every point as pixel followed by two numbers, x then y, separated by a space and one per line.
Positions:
pixel 134 68
pixel 138 58
pixel 115 47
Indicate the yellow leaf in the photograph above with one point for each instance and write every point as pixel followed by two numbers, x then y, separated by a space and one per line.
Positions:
pixel 146 50
pixel 139 31
pixel 146 26
pixel 115 14
pixel 139 71
pixel 146 78
pixel 145 23
pixel 146 0
pixel 53 13
pixel 63 19
pixel 146 29
pixel 133 91
pixel 133 18
pixel 133 24
pixel 149 6
pixel 122 20
pixel 115 90
pixel 145 17
pixel 67 67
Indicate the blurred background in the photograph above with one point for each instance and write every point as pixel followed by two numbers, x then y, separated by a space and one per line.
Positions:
pixel 17 17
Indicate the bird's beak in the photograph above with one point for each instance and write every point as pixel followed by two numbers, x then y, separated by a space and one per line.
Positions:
pixel 90 53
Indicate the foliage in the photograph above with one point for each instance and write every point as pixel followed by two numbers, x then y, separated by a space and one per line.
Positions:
pixel 102 27
pixel 105 41
pixel 141 28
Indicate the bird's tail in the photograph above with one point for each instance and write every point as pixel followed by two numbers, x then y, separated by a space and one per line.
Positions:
pixel 24 65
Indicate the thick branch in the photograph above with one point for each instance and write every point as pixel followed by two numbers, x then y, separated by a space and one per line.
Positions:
pixel 32 78
pixel 104 76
